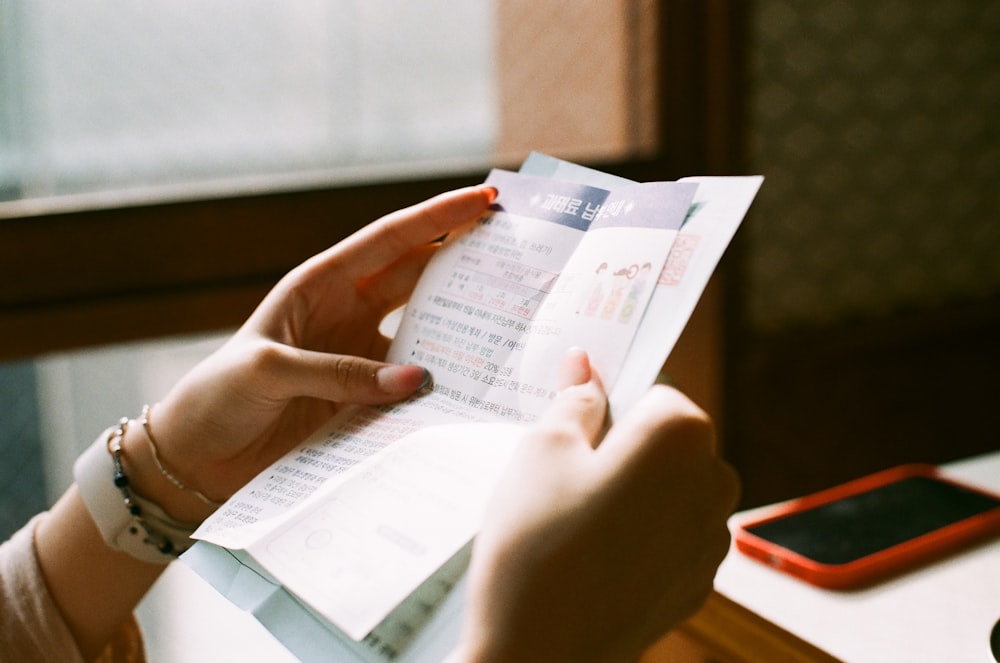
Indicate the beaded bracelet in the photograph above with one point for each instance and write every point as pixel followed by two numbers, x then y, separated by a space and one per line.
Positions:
pixel 142 528
pixel 153 536
pixel 170 476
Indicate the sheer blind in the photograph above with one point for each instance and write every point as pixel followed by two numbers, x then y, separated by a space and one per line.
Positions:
pixel 109 95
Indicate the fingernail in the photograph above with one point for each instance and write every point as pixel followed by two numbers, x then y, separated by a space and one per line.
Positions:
pixel 427 382
pixel 575 369
pixel 402 379
pixel 493 193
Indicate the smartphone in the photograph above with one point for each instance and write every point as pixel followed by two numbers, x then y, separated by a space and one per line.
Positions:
pixel 871 528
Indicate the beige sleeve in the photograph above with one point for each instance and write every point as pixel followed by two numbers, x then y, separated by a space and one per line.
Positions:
pixel 31 626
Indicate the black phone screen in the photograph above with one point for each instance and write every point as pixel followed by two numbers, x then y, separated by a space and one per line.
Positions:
pixel 859 525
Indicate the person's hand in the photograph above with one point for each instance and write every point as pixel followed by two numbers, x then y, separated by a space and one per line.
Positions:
pixel 311 346
pixel 596 544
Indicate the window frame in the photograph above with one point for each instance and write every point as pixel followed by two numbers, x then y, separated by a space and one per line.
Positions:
pixel 79 276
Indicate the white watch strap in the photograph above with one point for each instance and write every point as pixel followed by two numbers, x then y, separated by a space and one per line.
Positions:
pixel 94 473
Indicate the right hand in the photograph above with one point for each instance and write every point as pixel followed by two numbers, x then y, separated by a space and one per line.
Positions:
pixel 312 346
pixel 595 544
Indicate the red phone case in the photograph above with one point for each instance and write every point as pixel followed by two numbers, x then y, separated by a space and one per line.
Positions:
pixel 871 568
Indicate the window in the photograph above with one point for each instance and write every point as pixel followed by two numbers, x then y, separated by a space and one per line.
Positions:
pixel 626 83
pixel 108 96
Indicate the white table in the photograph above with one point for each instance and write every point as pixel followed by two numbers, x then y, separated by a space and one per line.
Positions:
pixel 943 612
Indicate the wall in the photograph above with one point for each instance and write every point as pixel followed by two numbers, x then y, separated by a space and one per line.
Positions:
pixel 870 283
pixel 876 126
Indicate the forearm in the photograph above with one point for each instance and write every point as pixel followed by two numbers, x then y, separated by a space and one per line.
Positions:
pixel 95 586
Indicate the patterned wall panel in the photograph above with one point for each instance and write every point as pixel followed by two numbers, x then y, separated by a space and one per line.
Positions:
pixel 877 125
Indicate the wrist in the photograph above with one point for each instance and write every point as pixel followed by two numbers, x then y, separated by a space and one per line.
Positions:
pixel 143 467
pixel 126 520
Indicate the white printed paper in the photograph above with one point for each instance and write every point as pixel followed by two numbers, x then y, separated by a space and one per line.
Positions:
pixel 368 522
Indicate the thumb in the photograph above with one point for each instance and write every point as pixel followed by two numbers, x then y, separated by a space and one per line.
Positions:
pixel 579 409
pixel 346 378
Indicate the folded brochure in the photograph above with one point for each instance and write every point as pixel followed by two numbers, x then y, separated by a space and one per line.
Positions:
pixel 353 546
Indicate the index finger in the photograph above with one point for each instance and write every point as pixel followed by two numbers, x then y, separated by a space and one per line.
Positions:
pixel 379 244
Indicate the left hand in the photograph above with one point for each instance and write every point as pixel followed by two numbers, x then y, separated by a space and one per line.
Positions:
pixel 597 543
pixel 311 346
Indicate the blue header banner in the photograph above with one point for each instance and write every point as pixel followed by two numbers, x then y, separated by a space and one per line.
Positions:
pixel 649 205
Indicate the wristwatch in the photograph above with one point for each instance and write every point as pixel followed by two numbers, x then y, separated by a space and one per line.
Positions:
pixel 143 529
